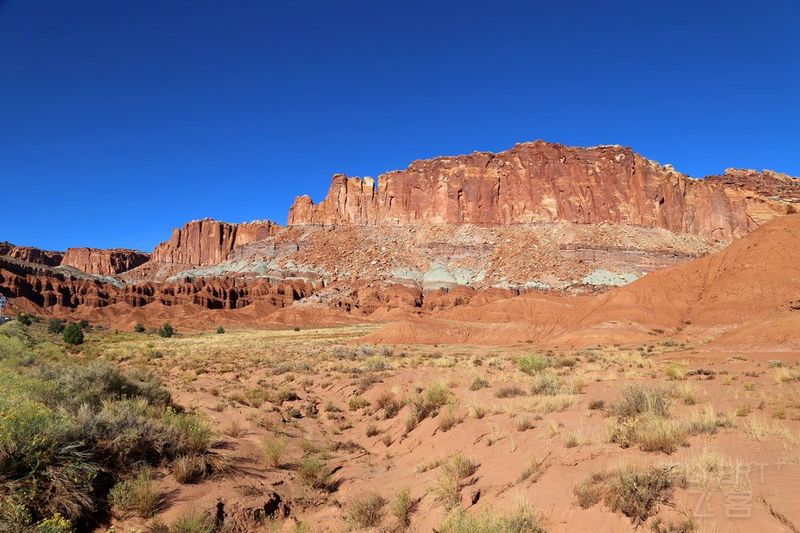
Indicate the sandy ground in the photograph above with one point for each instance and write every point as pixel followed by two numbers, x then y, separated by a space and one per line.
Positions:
pixel 328 397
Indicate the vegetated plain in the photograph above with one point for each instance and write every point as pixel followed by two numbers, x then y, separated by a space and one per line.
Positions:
pixel 310 430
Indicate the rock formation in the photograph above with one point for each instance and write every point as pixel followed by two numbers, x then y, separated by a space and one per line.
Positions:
pixel 103 262
pixel 209 242
pixel 48 288
pixel 543 182
pixel 30 254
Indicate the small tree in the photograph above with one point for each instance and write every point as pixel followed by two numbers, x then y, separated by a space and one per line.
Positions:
pixel 83 324
pixel 73 334
pixel 25 319
pixel 166 331
pixel 220 330
pixel 55 325
pixel 138 328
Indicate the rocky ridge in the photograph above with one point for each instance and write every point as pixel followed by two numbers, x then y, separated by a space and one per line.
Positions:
pixel 542 182
pixel 538 216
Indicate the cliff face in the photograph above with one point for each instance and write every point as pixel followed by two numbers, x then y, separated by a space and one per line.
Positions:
pixel 208 242
pixel 543 182
pixel 103 262
pixel 31 255
pixel 48 288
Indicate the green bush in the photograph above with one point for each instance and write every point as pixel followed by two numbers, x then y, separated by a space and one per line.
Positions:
pixel 138 328
pixel 83 324
pixel 24 319
pixel 166 331
pixel 55 325
pixel 68 429
pixel 73 334
pixel 220 330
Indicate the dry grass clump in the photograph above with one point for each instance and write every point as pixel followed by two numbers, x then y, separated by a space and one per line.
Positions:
pixel 273 450
pixel 786 375
pixel 511 391
pixel 533 364
pixel 315 473
pixel 389 404
pixel 366 510
pixel 523 520
pixel 402 506
pixel 191 468
pixel 711 471
pixel 634 492
pixel 450 483
pixel 427 404
pixel 448 420
pixel 643 419
pixel 193 522
pixel 478 383
pixel 136 496
pixel 357 402
pixel 675 371
pixel 533 471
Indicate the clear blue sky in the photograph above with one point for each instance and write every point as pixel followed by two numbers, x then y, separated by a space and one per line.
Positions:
pixel 122 119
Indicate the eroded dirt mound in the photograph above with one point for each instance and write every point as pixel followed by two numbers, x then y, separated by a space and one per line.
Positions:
pixel 752 284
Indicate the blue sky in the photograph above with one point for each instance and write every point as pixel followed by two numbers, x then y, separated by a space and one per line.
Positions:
pixel 120 120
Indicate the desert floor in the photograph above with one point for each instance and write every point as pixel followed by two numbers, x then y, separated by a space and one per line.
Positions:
pixel 316 431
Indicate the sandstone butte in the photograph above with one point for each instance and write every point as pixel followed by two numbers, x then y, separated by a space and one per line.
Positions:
pixel 95 261
pixel 31 254
pixel 103 262
pixel 544 182
pixel 209 242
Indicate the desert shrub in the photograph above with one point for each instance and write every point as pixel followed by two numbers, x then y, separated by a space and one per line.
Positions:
pixel 25 319
pixel 448 419
pixel 136 495
pixel 357 402
pixel 193 523
pixel 402 506
pixel 597 405
pixel 166 331
pixel 138 328
pixel 315 473
pixel 634 492
pixel 45 467
pixel 511 391
pixel 366 510
pixel 69 429
pixel 427 404
pixel 642 418
pixel 190 468
pixel 220 330
pixel 478 383
pixel 449 484
pixel 390 405
pixel 523 520
pixel 273 449
pixel 372 430
pixel 675 371
pixel 651 433
pixel 547 384
pixel 636 400
pixel 533 364
pixel 682 526
pixel 55 326
pixel 73 334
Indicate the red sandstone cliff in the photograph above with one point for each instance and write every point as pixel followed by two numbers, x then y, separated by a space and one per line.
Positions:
pixel 104 262
pixel 543 182
pixel 208 242
pixel 30 254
